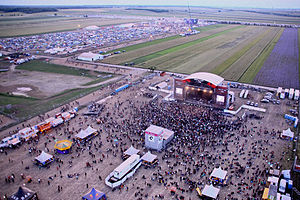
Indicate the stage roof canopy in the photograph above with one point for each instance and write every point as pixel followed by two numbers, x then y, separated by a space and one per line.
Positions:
pixel 209 77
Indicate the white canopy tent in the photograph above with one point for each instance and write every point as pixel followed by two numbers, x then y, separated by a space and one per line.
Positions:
pixel 85 133
pixel 131 151
pixel 210 191
pixel 287 133
pixel 44 157
pixel 219 173
pixel 149 157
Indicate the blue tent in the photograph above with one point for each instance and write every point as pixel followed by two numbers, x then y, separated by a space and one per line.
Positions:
pixel 94 195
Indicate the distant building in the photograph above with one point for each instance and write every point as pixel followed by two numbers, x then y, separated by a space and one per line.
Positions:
pixel 157 137
pixel 89 56
pixel 91 28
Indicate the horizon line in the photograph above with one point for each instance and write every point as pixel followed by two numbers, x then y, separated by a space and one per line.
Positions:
pixel 57 5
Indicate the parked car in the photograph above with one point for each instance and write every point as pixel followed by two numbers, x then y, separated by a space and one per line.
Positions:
pixel 265 101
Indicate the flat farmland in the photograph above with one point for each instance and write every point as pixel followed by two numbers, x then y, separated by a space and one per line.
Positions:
pixel 209 54
pixel 18 26
pixel 236 70
pixel 281 68
pixel 147 50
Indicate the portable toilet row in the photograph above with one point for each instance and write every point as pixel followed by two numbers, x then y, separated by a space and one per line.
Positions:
pixel 244 94
pixel 291 93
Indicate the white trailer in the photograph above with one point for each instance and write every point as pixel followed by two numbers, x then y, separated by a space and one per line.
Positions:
pixel 282 186
pixel 282 95
pixel 279 90
pixel 296 96
pixel 124 167
pixel 242 93
pixel 246 94
pixel 291 93
pixel 123 171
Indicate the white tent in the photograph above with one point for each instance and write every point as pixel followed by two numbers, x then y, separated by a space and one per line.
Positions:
pixel 89 56
pixel 149 157
pixel 286 174
pixel 287 133
pixel 85 133
pixel 44 157
pixel 219 173
pixel 131 151
pixel 273 180
pixel 92 28
pixel 210 191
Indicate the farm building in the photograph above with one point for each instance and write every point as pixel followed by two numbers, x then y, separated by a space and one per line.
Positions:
pixel 202 86
pixel 157 137
pixel 89 56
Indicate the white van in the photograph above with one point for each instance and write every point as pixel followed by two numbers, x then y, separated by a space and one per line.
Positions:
pixel 282 186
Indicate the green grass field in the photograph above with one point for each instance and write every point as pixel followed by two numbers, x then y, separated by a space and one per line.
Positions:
pixel 157 41
pixel 255 67
pixel 43 66
pixel 179 47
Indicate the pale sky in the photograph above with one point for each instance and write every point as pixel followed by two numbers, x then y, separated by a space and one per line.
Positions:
pixel 212 3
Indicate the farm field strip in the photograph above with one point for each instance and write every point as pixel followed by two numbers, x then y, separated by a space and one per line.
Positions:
pixel 281 68
pixel 205 54
pixel 236 70
pixel 137 53
pixel 157 41
pixel 225 65
pixel 221 58
pixel 254 68
pixel 196 57
pixel 179 47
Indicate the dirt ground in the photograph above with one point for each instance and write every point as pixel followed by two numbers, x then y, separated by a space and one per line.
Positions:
pixel 119 108
pixel 42 84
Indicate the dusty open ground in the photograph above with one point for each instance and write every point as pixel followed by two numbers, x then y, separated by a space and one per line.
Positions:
pixel 42 84
pixel 249 139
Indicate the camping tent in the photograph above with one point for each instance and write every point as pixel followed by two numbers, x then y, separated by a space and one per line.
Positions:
pixel 89 56
pixel 129 152
pixel 149 159
pixel 44 159
pixel 94 195
pixel 287 134
pixel 210 191
pixel 63 146
pixel 23 193
pixel 86 134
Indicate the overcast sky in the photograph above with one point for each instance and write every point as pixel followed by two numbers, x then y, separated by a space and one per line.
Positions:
pixel 212 3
